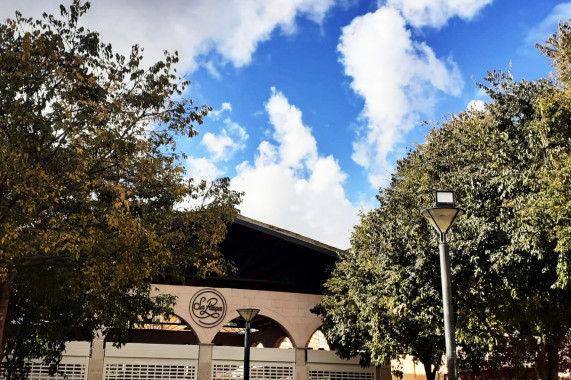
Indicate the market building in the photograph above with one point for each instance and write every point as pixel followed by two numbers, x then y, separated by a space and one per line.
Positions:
pixel 278 272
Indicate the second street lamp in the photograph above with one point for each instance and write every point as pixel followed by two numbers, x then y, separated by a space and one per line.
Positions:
pixel 248 314
pixel 442 216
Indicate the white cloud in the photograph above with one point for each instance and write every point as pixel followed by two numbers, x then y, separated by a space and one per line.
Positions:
pixel 201 168
pixel 297 146
pixel 216 114
pixel 399 80
pixel 231 28
pixel 224 145
pixel 291 186
pixel 476 105
pixel 221 146
pixel 540 33
pixel 436 13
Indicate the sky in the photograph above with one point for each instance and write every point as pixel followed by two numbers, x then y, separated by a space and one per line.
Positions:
pixel 314 101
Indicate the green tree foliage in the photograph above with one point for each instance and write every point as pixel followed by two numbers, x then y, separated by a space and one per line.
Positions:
pixel 91 185
pixel 383 299
pixel 509 166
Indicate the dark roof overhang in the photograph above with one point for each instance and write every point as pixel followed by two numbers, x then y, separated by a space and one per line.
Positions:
pixel 270 258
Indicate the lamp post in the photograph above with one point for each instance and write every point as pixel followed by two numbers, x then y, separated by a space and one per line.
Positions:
pixel 248 315
pixel 442 216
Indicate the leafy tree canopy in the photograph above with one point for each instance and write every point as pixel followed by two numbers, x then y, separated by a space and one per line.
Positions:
pixel 509 167
pixel 91 185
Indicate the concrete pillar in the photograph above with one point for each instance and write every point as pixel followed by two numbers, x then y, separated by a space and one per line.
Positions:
pixel 95 367
pixel 205 361
pixel 301 372
pixel 383 372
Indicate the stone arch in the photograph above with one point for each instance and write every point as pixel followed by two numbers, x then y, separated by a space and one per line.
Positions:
pixel 208 335
pixel 172 330
pixel 265 331
pixel 304 335
pixel 283 341
pixel 291 329
pixel 318 341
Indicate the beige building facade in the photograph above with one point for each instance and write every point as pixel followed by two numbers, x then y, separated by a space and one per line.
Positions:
pixel 279 273
pixel 287 316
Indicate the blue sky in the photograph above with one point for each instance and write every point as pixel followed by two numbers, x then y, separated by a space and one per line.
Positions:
pixel 315 100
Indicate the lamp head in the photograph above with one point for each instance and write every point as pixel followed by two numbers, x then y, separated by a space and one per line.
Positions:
pixel 248 314
pixel 443 215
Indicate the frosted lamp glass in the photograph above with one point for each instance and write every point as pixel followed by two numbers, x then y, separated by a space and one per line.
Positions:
pixel 248 313
pixel 442 218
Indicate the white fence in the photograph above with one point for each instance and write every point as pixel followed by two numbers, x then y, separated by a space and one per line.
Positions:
pixel 150 361
pixel 325 365
pixel 73 366
pixel 138 361
pixel 265 363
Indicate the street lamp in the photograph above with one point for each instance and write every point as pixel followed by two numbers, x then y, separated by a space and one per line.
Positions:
pixel 442 216
pixel 248 315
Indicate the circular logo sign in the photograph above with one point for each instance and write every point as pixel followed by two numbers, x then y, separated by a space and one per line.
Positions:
pixel 207 307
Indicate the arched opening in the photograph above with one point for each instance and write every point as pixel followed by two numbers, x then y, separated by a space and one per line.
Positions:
pixel 264 332
pixel 318 341
pixel 163 330
pixel 284 343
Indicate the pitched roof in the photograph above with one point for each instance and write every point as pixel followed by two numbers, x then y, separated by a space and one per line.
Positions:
pixel 271 258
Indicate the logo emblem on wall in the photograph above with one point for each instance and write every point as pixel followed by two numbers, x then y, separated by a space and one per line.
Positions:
pixel 207 307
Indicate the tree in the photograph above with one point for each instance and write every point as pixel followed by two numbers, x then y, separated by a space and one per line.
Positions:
pixel 509 167
pixel 382 299
pixel 506 286
pixel 91 186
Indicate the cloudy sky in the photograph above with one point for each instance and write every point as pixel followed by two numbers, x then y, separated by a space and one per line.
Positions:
pixel 315 100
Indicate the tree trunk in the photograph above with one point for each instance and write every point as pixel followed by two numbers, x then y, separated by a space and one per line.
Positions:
pixel 5 290
pixel 540 369
pixel 547 360
pixel 428 369
pixel 552 361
